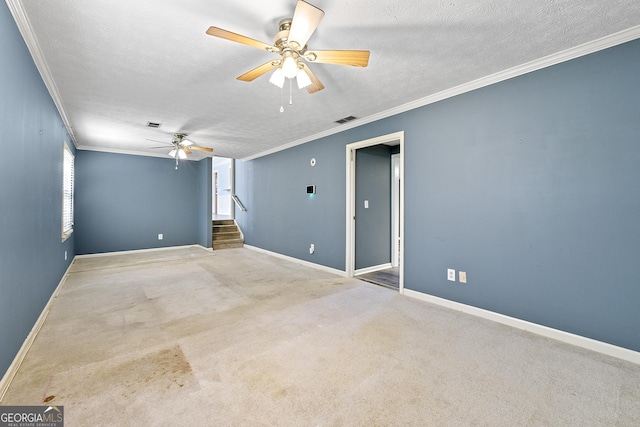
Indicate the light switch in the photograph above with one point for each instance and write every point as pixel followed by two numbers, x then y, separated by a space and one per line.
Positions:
pixel 366 204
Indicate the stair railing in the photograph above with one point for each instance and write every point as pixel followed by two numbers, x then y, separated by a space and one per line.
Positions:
pixel 238 202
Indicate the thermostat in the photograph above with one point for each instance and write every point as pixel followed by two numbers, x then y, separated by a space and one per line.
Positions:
pixel 311 189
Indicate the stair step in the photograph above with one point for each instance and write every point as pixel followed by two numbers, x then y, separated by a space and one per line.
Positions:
pixel 224 228
pixel 223 222
pixel 227 236
pixel 227 244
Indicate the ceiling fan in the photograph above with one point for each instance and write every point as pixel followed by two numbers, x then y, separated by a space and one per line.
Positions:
pixel 291 44
pixel 182 147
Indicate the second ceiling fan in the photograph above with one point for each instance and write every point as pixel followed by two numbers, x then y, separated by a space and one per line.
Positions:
pixel 291 44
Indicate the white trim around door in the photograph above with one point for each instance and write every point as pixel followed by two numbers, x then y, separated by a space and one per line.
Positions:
pixel 396 138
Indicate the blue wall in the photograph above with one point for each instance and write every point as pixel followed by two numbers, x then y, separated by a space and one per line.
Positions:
pixel 529 185
pixel 31 250
pixel 123 202
pixel 373 224
pixel 281 216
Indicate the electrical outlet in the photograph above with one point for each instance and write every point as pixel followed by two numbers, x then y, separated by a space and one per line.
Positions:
pixel 451 275
pixel 462 276
pixel 312 248
pixel 160 236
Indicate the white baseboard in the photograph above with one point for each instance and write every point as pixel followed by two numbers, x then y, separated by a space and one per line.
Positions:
pixel 26 345
pixel 298 261
pixel 372 269
pixel 577 340
pixel 138 251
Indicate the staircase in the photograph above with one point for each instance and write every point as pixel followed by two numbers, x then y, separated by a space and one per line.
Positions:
pixel 226 234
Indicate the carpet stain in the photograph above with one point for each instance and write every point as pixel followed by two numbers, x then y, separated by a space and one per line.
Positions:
pixel 281 393
pixel 168 367
pixel 266 381
pixel 165 370
pixel 48 399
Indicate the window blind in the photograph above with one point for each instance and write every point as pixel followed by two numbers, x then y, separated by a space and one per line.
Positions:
pixel 67 192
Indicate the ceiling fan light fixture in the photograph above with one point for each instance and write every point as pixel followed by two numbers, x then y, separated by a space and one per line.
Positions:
pixel 289 65
pixel 303 79
pixel 173 153
pixel 182 154
pixel 277 78
pixel 186 142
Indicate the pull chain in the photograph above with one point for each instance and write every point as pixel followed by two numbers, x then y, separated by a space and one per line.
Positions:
pixel 290 91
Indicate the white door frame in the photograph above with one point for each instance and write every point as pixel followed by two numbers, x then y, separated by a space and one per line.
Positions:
pixel 351 204
pixel 395 210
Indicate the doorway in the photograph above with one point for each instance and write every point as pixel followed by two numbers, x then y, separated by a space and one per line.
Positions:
pixel 222 188
pixel 374 247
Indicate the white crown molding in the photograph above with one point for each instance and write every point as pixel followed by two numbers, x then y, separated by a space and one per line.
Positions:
pixel 606 42
pixel 159 154
pixel 20 16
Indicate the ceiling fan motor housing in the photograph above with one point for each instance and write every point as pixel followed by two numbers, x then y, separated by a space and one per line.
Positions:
pixel 281 40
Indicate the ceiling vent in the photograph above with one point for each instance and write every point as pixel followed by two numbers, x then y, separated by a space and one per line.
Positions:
pixel 346 119
pixel 153 125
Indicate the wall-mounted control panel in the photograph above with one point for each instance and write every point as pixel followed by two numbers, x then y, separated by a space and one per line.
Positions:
pixel 311 189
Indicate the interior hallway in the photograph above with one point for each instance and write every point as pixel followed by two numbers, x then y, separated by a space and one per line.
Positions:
pixel 235 337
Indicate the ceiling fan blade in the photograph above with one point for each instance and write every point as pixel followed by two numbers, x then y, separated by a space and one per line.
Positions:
pixel 356 58
pixel 305 20
pixel 238 38
pixel 315 85
pixel 258 71
pixel 207 149
pixel 186 150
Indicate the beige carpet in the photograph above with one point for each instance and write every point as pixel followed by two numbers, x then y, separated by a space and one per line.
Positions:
pixel 238 338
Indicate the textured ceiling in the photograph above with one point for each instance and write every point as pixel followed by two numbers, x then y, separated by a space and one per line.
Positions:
pixel 114 65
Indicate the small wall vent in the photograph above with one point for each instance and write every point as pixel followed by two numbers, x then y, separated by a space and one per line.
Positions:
pixel 346 119
pixel 153 125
